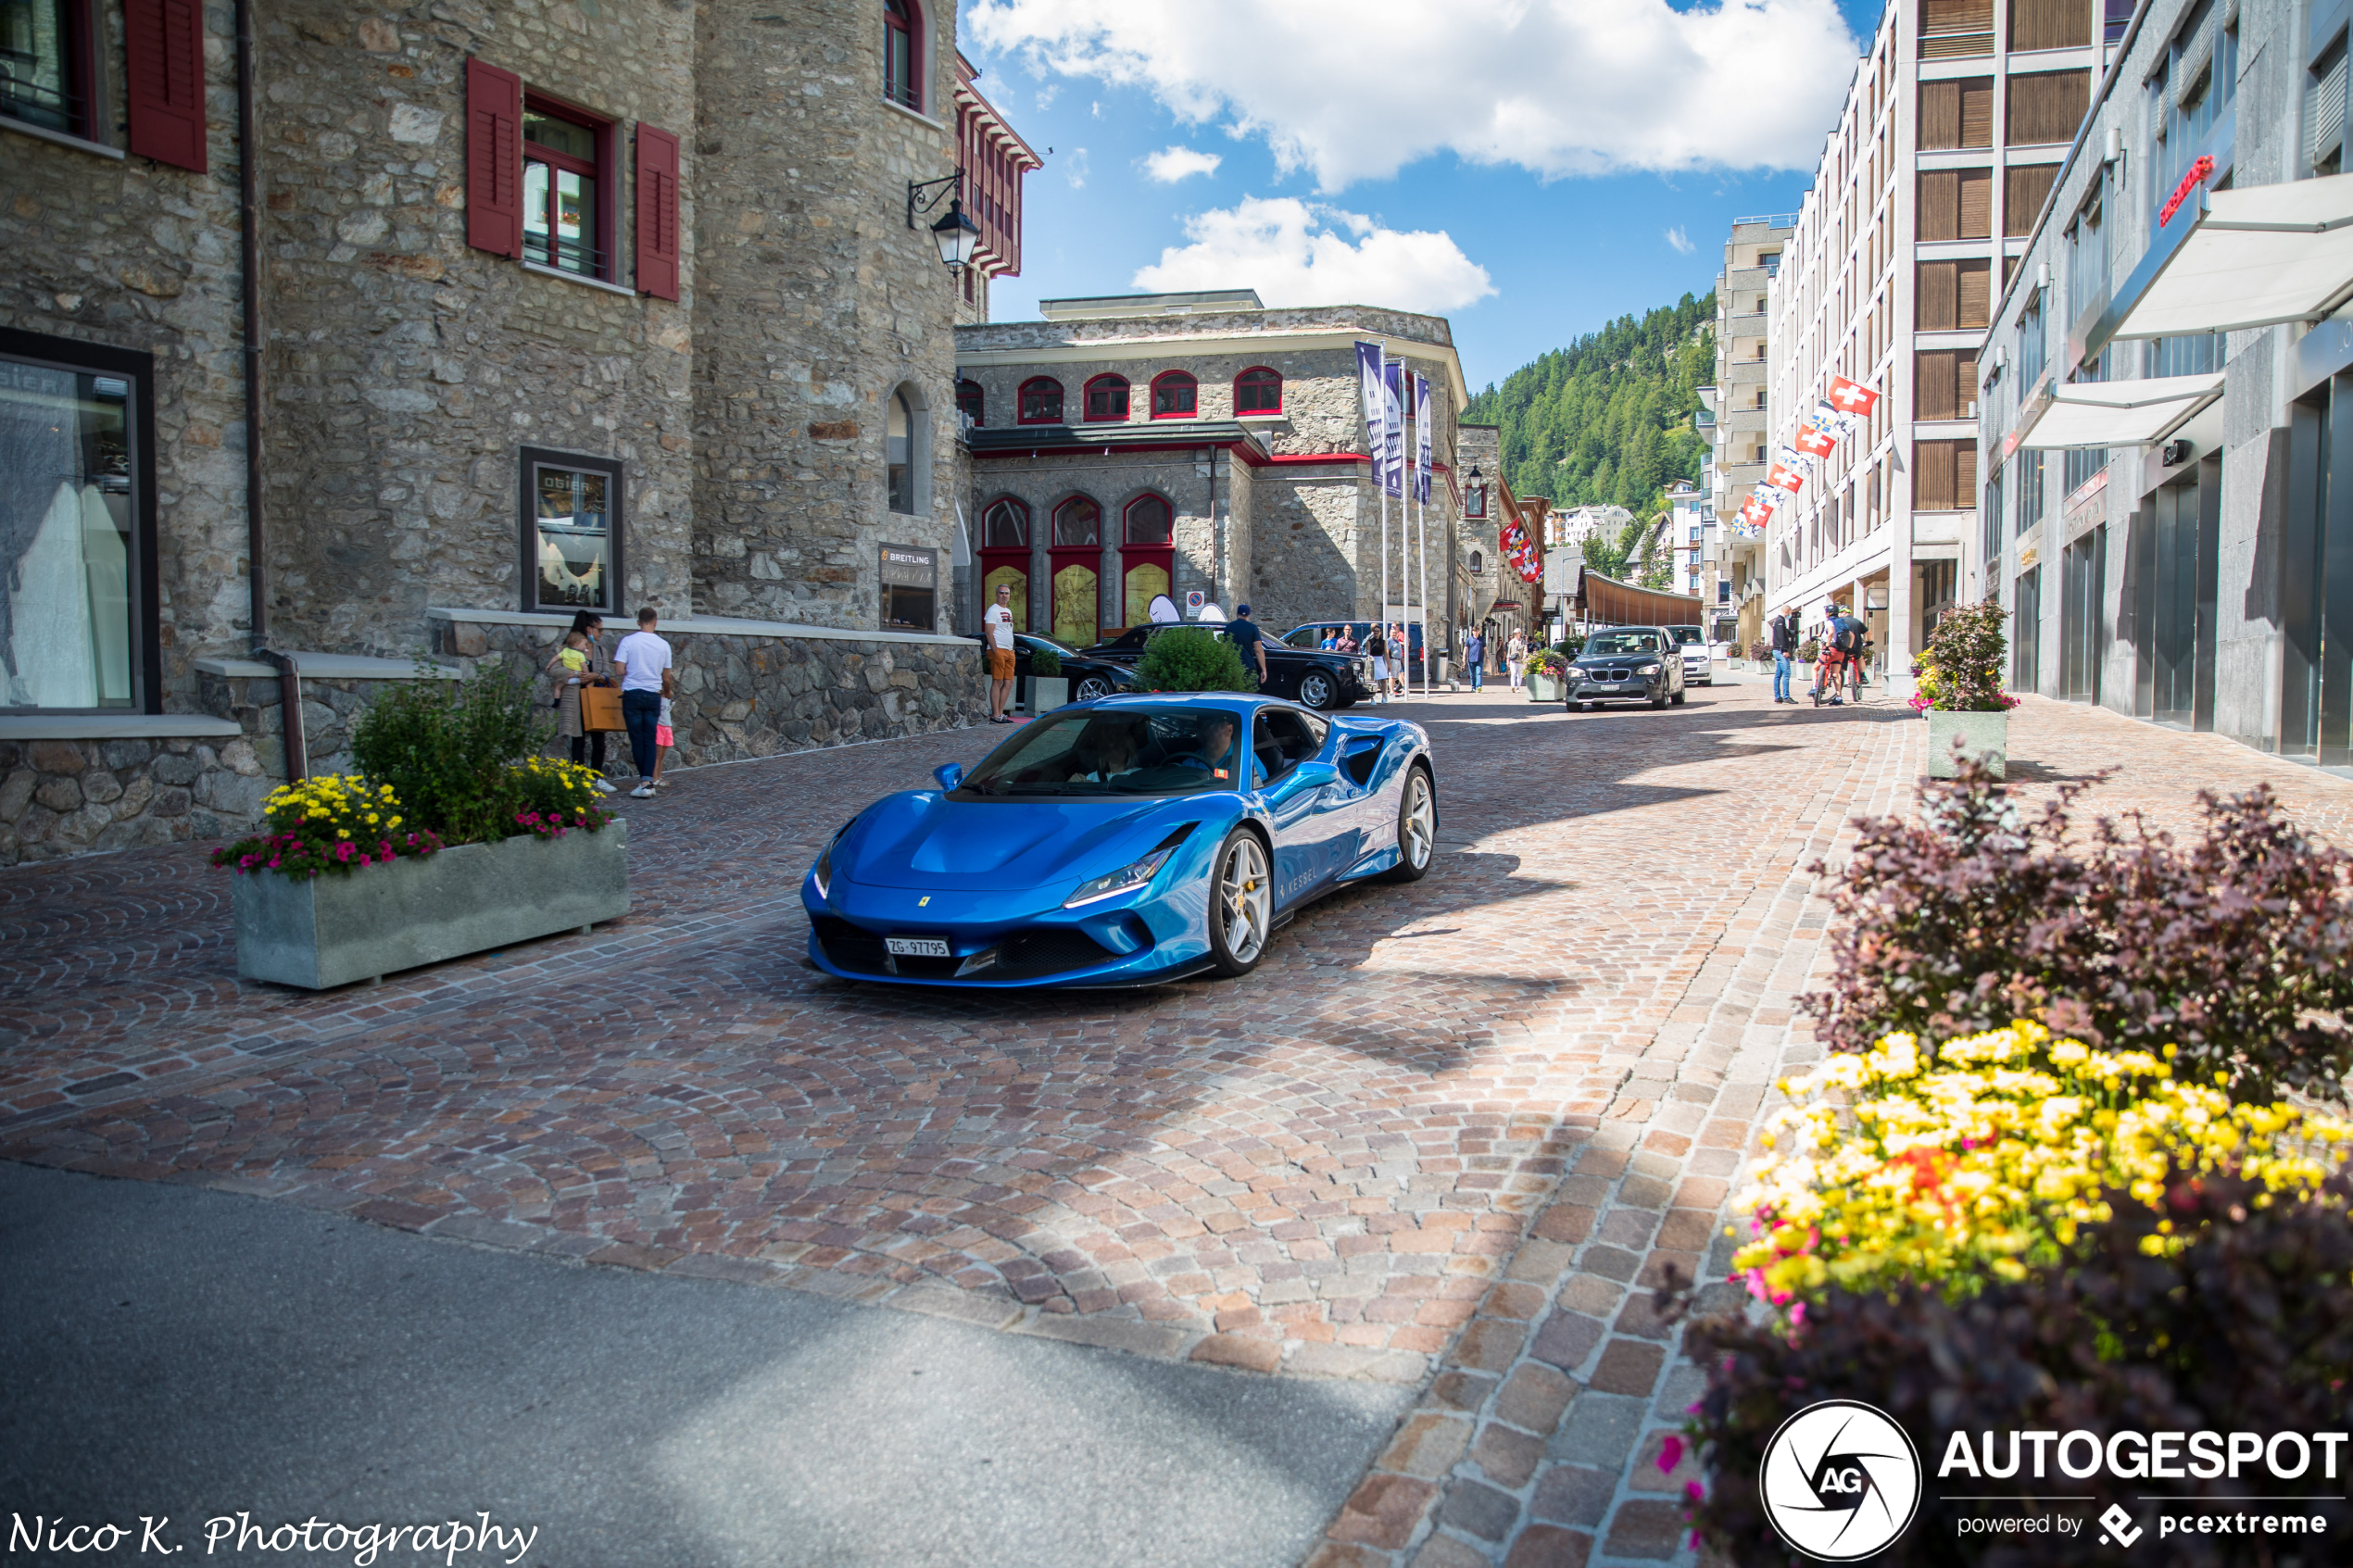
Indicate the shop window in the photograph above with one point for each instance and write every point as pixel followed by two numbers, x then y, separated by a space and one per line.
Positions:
pixel 1258 391
pixel 1107 398
pixel 77 555
pixel 1175 395
pixel 910 588
pixel 1147 559
pixel 572 531
pixel 1041 401
pixel 1077 560
pixel 1004 554
pixel 564 222
pixel 970 403
pixel 45 64
pixel 903 53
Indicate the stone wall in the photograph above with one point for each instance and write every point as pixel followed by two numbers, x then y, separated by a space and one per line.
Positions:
pixel 61 797
pixel 1189 482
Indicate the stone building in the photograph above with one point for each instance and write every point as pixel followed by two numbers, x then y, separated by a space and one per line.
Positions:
pixel 1127 446
pixel 545 306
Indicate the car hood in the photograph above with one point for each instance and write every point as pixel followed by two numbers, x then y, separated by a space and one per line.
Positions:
pixel 924 839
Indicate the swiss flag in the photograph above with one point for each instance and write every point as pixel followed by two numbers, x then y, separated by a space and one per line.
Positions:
pixel 1755 513
pixel 1786 477
pixel 1820 443
pixel 1853 397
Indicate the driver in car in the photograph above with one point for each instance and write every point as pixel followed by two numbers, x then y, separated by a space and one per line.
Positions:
pixel 1110 750
pixel 1215 744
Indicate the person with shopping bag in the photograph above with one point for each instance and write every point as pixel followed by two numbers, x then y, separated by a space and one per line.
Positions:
pixel 578 667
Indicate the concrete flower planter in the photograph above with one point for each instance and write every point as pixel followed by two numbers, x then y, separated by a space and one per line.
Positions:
pixel 334 930
pixel 1048 693
pixel 1543 688
pixel 1985 736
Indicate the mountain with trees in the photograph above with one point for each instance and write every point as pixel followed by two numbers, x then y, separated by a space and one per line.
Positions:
pixel 1608 420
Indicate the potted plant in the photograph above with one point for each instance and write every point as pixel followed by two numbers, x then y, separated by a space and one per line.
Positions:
pixel 1760 653
pixel 1957 682
pixel 1807 651
pixel 1048 687
pixel 1545 669
pixel 453 838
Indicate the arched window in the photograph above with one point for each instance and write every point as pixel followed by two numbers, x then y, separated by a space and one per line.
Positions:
pixel 1479 563
pixel 970 402
pixel 1258 391
pixel 898 453
pixel 1005 525
pixel 1041 401
pixel 1175 395
pixel 903 60
pixel 1107 397
pixel 1147 520
pixel 1078 522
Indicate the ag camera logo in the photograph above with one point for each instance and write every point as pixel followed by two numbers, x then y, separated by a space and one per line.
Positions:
pixel 1840 1480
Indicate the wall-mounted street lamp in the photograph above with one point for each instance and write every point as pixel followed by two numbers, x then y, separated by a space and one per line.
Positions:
pixel 956 234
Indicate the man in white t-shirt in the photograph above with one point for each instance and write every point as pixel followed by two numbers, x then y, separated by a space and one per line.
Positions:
pixel 644 662
pixel 997 625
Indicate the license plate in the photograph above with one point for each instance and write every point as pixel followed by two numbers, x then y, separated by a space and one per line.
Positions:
pixel 917 946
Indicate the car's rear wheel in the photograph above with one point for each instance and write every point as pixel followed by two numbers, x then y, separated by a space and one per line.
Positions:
pixel 1416 827
pixel 1242 904
pixel 1317 690
pixel 1092 688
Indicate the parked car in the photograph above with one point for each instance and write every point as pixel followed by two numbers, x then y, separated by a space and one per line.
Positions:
pixel 1699 664
pixel 1090 678
pixel 1130 841
pixel 1311 635
pixel 1310 677
pixel 1625 664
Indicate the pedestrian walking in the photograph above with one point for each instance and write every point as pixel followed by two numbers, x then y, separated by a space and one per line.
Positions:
pixel 1347 641
pixel 1475 655
pixel 579 663
pixel 1376 647
pixel 1250 642
pixel 645 663
pixel 1515 655
pixel 1401 656
pixel 1784 629
pixel 997 625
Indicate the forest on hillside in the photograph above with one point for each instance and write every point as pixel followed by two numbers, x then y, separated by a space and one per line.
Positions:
pixel 1608 420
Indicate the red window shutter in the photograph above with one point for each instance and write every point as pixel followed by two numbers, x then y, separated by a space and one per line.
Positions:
pixel 494 159
pixel 657 212
pixel 163 80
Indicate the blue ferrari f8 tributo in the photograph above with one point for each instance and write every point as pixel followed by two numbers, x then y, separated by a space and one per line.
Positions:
pixel 1129 841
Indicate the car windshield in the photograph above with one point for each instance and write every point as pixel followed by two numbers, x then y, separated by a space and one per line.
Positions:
pixel 1054 642
pixel 1124 751
pixel 1686 636
pixel 1619 645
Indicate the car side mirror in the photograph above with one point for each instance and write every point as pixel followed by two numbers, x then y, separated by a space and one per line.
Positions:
pixel 950 774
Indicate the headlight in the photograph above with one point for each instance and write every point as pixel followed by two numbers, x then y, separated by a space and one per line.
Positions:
pixel 1127 879
pixel 824 870
pixel 1647 670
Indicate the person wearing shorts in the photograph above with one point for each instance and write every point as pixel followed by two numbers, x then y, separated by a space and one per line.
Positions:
pixel 996 622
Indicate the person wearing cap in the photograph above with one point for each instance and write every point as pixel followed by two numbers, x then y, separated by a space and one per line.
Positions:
pixel 1784 629
pixel 1249 641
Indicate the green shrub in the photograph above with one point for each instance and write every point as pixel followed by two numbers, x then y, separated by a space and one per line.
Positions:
pixel 446 749
pixel 1809 650
pixel 1571 645
pixel 1961 670
pixel 1193 659
pixel 1045 663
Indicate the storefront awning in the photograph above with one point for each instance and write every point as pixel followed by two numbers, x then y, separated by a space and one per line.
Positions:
pixel 2254 257
pixel 2119 413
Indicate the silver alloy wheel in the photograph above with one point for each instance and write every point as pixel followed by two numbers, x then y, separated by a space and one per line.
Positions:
pixel 1316 689
pixel 1417 825
pixel 1245 897
pixel 1091 688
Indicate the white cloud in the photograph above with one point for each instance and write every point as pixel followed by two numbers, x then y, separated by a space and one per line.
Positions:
pixel 1680 240
pixel 1172 164
pixel 1075 166
pixel 1561 87
pixel 1293 254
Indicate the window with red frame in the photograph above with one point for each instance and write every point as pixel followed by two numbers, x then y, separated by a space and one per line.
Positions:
pixel 1041 401
pixel 1107 397
pixel 564 223
pixel 970 402
pixel 1258 391
pixel 902 62
pixel 1004 526
pixel 1175 395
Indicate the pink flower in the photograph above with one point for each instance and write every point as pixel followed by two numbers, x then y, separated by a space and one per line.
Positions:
pixel 1694 1493
pixel 1670 1454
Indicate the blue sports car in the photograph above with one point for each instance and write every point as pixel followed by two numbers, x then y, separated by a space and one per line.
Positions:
pixel 1129 841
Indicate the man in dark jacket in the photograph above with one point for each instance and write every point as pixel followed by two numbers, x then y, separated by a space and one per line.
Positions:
pixel 1783 628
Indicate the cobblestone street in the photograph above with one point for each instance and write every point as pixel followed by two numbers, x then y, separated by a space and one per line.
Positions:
pixel 1447 1137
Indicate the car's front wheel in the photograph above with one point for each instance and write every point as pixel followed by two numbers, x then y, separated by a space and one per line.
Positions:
pixel 1092 688
pixel 1317 690
pixel 1242 904
pixel 1416 827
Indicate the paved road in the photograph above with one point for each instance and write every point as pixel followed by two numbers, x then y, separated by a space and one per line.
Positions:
pixel 168 1350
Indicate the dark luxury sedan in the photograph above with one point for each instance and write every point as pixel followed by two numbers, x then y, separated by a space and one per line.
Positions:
pixel 1626 664
pixel 1310 677
pixel 1090 678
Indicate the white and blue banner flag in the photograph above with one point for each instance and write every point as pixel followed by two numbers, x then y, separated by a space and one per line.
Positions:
pixel 1368 382
pixel 1421 440
pixel 1392 448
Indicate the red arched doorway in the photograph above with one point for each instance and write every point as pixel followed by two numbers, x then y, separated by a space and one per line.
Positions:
pixel 1077 557
pixel 1004 557
pixel 1147 555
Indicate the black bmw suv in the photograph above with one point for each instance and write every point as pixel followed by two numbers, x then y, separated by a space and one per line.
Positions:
pixel 1626 664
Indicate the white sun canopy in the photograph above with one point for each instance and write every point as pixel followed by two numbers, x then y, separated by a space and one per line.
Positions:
pixel 2119 413
pixel 2269 254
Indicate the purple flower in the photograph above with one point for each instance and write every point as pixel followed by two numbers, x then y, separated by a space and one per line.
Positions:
pixel 1670 1454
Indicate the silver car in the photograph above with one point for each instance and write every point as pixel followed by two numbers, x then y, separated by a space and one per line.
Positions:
pixel 1699 661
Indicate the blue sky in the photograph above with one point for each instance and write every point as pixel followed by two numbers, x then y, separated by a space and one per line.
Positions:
pixel 1586 155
